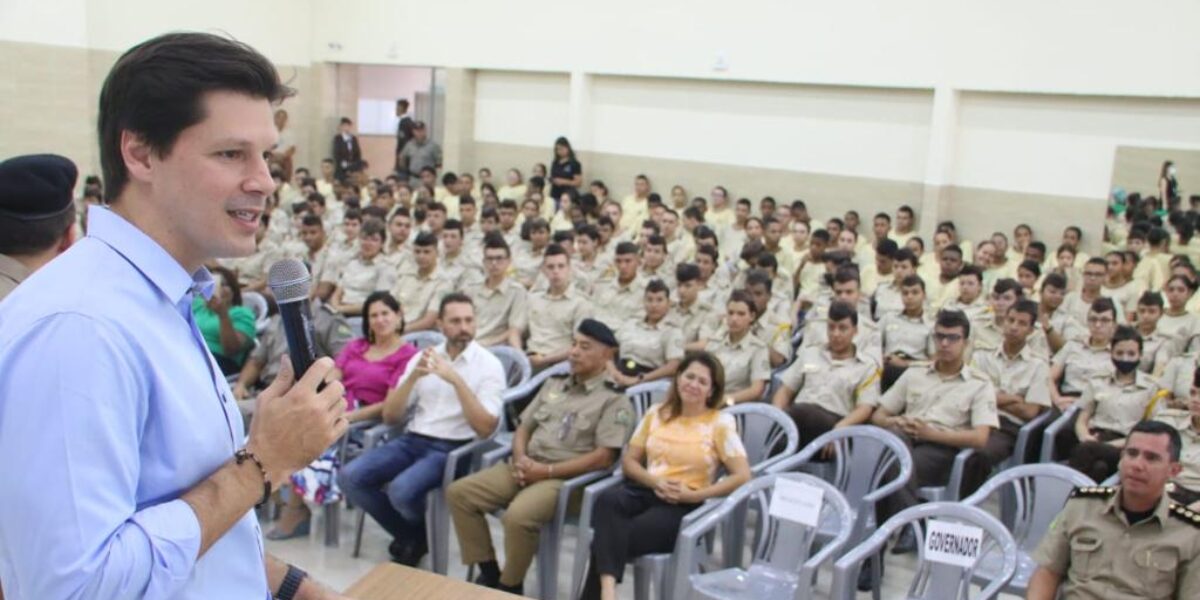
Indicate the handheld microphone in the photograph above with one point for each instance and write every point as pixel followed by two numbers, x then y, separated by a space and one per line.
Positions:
pixel 291 283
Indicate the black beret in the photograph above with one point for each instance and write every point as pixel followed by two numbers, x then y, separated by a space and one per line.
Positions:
pixel 36 186
pixel 598 331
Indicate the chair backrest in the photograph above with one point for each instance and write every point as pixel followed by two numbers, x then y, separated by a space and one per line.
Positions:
pixel 423 339
pixel 787 545
pixel 257 303
pixel 517 369
pixel 644 395
pixel 517 398
pixel 768 434
pixel 868 464
pixel 933 580
pixel 1032 496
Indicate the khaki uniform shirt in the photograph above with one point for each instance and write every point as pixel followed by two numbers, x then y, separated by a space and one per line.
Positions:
pixel 1074 305
pixel 1157 352
pixel 340 254
pixel 552 320
pixel 1026 375
pixel 745 362
pixel 961 401
pixel 360 278
pixel 418 294
pixel 812 276
pixel 1064 324
pixel 912 337
pixel 254 267
pixel 400 261
pixel 871 279
pixel 498 310
pixel 867 340
pixel 650 345
pixel 775 331
pixel 569 418
pixel 1099 554
pixel 888 300
pixel 615 304
pixel 1180 329
pixel 1125 296
pixel 837 386
pixel 528 263
pixel 1189 457
pixel 692 319
pixel 716 293
pixel 1082 364
pixel 681 249
pixel 977 311
pixel 12 273
pixel 461 271
pixel 1118 407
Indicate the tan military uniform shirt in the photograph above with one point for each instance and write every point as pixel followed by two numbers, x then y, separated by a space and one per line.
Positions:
pixel 1125 296
pixel 1180 329
pixel 681 249
pixel 745 361
pixel 1083 362
pixel 1189 457
pixel 961 401
pixel 360 278
pixel 888 300
pixel 775 331
pixel 1157 352
pixel 12 273
pixel 1026 375
pixel 837 386
pixel 1074 305
pixel 716 292
pixel 254 267
pixel 812 277
pixel 498 310
pixel 419 294
pixel 569 418
pixel 1099 554
pixel 908 336
pixel 867 340
pixel 552 320
pixel 461 271
pixel 527 262
pixel 977 311
pixel 693 318
pixel 650 345
pixel 614 303
pixel 1117 406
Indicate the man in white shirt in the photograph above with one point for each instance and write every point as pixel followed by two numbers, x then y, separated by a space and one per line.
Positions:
pixel 449 395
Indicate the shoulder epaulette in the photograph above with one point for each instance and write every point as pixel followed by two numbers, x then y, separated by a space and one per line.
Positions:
pixel 1094 491
pixel 1185 514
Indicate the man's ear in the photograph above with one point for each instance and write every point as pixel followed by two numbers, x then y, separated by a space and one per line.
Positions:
pixel 135 153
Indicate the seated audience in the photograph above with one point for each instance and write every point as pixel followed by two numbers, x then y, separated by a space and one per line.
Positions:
pixel 744 355
pixel 652 346
pixel 1021 377
pixel 227 326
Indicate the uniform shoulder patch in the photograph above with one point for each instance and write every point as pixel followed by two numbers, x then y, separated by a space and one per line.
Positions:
pixel 1185 514
pixel 1094 491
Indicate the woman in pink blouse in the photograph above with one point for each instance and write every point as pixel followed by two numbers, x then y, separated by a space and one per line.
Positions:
pixel 368 367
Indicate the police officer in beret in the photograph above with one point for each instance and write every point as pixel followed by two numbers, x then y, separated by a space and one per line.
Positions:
pixel 577 423
pixel 37 215
pixel 1129 541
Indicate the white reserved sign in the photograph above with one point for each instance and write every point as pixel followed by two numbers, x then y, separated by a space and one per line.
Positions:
pixel 953 543
pixel 797 501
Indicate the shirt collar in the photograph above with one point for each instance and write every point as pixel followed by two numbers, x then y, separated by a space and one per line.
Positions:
pixel 147 256
pixel 1161 511
pixel 589 384
pixel 13 268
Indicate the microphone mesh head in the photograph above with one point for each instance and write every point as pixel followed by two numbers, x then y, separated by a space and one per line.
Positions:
pixel 289 280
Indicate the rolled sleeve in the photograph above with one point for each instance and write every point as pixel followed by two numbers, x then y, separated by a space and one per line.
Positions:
pixel 491 385
pixel 70 525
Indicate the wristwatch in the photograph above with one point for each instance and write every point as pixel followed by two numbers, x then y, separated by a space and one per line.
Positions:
pixel 291 583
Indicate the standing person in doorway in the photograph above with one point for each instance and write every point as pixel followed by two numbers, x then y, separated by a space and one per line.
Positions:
pixel 347 155
pixel 404 133
pixel 565 171
pixel 420 153
pixel 1168 186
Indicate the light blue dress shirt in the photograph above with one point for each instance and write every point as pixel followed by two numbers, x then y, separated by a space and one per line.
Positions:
pixel 111 408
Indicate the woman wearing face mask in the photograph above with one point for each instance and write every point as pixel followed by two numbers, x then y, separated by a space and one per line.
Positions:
pixel 1168 186
pixel 1111 406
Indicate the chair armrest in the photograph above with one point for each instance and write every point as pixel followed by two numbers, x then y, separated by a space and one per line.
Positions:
pixel 569 486
pixel 1066 419
pixel 1026 433
pixel 954 485
pixel 502 451
pixel 891 487
pixel 455 457
pixel 593 491
pixel 703 521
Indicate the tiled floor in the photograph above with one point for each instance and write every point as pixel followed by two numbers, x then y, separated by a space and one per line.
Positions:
pixel 335 567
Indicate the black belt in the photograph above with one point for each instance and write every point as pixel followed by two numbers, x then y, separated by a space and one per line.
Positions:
pixel 437 439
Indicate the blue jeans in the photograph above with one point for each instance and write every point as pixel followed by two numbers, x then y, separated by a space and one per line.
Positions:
pixel 390 482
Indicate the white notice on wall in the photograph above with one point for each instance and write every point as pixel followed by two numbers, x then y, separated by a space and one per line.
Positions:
pixel 796 501
pixel 953 543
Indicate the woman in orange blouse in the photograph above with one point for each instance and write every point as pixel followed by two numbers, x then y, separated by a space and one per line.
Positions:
pixel 670 467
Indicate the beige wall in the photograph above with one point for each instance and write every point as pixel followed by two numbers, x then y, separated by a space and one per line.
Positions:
pixel 1137 169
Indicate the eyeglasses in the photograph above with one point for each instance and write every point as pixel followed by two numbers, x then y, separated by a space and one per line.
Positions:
pixel 947 338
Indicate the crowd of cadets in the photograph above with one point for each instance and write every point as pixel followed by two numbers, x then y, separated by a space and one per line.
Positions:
pixel 951 343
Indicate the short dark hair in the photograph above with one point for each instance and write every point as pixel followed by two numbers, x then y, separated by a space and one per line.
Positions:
pixel 906 209
pixel 311 220
pixel 1174 442
pixel 950 319
pixel 1028 307
pixel 905 255
pixel 913 280
pixel 887 248
pixel 1033 267
pixel 22 238
pixel 710 251
pixel 685 272
pixel 425 239
pixel 1055 280
pixel 820 234
pixel 555 250
pixel 626 248
pixel 1103 305
pixel 969 270
pixel 757 277
pixel 453 298
pixel 438 206
pixel 453 225
pixel 495 241
pixel 656 286
pixel 840 311
pixel 953 249
pixel 657 240
pixel 1126 333
pixel 157 88
pixel 372 227
pixel 744 297
pixel 1008 285
pixel 884 216
pixel 352 214
pixel 1149 298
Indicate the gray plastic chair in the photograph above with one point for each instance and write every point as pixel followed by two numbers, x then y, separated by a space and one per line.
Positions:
pixel 423 339
pixel 864 457
pixel 769 436
pixel 953 487
pixel 783 566
pixel 257 303
pixel 1036 495
pixel 1065 422
pixel 1028 432
pixel 517 369
pixel 932 581
pixel 1113 481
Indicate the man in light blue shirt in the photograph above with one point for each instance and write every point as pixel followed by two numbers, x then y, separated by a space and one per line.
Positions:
pixel 126 474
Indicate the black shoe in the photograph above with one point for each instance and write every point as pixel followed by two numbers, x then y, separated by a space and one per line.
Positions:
pixel 866 579
pixel 518 589
pixel 396 549
pixel 906 543
pixel 487 580
pixel 409 554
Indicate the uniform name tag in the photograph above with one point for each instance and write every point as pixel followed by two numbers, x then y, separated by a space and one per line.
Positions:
pixel 953 543
pixel 797 502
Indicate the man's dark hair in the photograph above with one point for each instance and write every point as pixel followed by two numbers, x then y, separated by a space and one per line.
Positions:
pixel 906 209
pixel 373 227
pixel 495 241
pixel 840 311
pixel 453 225
pixel 694 213
pixel 589 231
pixel 884 216
pixel 709 251
pixel 846 274
pixel 626 248
pixel 950 319
pixel 555 250
pixel 157 88
pixel 905 255
pixel 1124 333
pixel 311 220
pixel 685 272
pixel 466 199
pixel 657 240
pixel 757 277
pixel 953 249
pixel 704 232
pixel 352 214
pixel 656 286
pixel 887 248
pixel 820 234
pixel 1008 285
pixel 745 298
pixel 1103 305
pixel 969 270
pixel 1032 266
pixel 1055 280
pixel 1174 443
pixel 453 298
pixel 913 280
pixel 508 204
pixel 316 197
pixel 766 260
pixel 438 206
pixel 345 121
pixel 1151 299
pixel 425 239
pixel 1028 307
